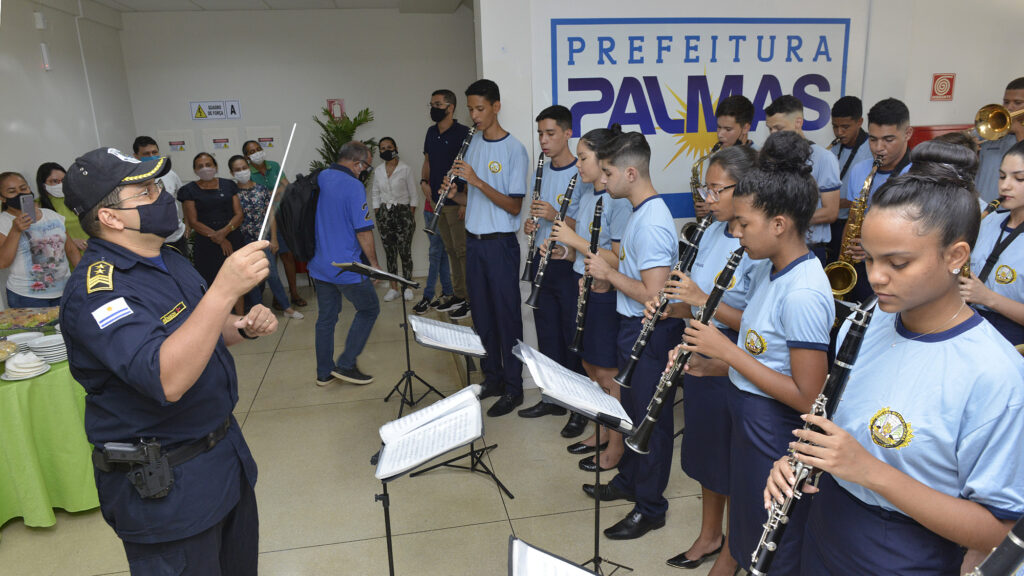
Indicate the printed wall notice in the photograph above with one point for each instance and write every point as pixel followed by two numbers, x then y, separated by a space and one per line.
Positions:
pixel 215 110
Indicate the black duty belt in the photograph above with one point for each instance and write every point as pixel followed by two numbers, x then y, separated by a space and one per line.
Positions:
pixel 491 236
pixel 175 457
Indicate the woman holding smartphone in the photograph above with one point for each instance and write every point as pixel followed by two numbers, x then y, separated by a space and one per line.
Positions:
pixel 34 245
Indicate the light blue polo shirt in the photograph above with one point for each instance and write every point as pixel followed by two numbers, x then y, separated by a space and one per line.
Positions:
pixel 990 158
pixel 858 173
pixel 648 242
pixel 792 308
pixel 554 184
pixel 504 165
pixel 842 155
pixel 1004 279
pixel 615 213
pixel 712 255
pixel 825 170
pixel 918 403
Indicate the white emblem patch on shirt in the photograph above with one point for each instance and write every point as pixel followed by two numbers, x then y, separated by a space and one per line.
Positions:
pixel 111 312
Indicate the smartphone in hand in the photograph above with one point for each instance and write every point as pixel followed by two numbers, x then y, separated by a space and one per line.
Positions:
pixel 28 206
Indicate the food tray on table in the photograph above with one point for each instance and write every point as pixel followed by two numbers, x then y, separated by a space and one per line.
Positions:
pixel 16 320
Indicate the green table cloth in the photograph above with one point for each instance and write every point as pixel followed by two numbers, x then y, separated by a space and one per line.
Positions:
pixel 44 455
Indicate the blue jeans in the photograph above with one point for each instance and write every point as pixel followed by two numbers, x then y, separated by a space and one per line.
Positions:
pixel 439 264
pixel 328 295
pixel 19 301
pixel 280 295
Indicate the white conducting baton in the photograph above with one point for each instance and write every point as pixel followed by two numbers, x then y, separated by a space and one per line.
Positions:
pixel 270 205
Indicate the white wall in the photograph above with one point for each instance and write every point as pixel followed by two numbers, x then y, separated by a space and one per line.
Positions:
pixel 283 65
pixel 47 115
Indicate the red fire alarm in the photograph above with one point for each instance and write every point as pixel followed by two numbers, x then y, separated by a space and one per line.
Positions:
pixel 942 86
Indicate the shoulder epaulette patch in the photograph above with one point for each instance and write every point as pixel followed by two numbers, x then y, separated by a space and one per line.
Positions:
pixel 100 277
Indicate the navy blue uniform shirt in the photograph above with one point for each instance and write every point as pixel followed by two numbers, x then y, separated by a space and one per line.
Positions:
pixel 117 310
pixel 441 149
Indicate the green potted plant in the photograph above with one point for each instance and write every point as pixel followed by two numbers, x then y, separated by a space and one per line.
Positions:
pixel 335 132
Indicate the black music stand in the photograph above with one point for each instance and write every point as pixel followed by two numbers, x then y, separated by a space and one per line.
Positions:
pixel 404 385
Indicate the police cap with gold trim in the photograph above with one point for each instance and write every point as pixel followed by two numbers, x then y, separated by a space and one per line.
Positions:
pixel 95 174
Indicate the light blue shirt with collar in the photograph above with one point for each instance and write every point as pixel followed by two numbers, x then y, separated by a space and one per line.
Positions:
pixel 990 157
pixel 792 308
pixel 842 155
pixel 1004 278
pixel 615 213
pixel 825 170
pixel 859 174
pixel 504 165
pixel 553 186
pixel 714 250
pixel 648 242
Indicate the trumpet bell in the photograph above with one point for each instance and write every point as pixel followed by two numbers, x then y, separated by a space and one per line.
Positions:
pixel 842 277
pixel 993 121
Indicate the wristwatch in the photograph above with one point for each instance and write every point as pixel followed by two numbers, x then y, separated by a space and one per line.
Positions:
pixel 246 336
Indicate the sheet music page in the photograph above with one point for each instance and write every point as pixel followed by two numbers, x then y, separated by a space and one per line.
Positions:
pixel 570 387
pixel 402 426
pixel 529 561
pixel 448 432
pixel 447 335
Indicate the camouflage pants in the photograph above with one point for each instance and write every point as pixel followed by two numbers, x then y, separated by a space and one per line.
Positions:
pixel 396 226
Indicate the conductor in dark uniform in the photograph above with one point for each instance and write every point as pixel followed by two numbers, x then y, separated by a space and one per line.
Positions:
pixel 147 339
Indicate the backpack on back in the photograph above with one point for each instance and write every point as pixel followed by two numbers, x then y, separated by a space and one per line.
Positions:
pixel 296 216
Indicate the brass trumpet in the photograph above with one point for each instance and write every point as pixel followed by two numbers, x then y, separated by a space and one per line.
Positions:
pixel 993 121
pixel 842 276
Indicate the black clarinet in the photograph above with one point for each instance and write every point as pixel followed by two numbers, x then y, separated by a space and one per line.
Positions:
pixel 685 264
pixel 531 301
pixel 588 280
pixel 432 229
pixel 824 405
pixel 641 437
pixel 531 250
pixel 1007 557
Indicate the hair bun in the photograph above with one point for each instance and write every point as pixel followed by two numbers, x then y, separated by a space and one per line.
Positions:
pixel 785 152
pixel 616 129
pixel 944 162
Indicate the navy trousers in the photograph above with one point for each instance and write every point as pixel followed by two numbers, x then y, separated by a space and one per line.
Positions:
pixel 555 315
pixel 492 277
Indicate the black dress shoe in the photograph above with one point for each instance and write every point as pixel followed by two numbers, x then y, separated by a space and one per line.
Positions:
pixel 505 404
pixel 633 526
pixel 579 448
pixel 542 408
pixel 681 561
pixel 575 426
pixel 607 493
pixel 491 390
pixel 587 465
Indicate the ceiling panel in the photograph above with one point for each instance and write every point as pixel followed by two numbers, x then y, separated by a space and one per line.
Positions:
pixel 231 4
pixel 154 5
pixel 355 4
pixel 300 4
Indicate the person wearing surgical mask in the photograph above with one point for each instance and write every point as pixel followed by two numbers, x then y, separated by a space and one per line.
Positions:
pixel 394 195
pixel 214 211
pixel 264 172
pixel 145 148
pixel 50 187
pixel 254 199
pixel 34 246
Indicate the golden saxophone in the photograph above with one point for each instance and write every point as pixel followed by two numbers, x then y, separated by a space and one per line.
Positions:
pixel 842 276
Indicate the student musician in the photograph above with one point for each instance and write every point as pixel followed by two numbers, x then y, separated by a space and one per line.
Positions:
pixel 1000 298
pixel 787 113
pixel 777 364
pixel 992 151
pixel 705 447
pixel 495 168
pixel 648 251
pixel 922 456
pixel 601 322
pixel 889 133
pixel 850 147
pixel 555 316
pixel 734 116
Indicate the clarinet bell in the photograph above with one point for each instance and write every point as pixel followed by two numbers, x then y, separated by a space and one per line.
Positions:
pixel 526 271
pixel 531 301
pixel 640 441
pixel 577 343
pixel 626 374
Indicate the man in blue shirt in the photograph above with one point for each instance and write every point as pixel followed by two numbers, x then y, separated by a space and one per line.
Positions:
pixel 991 154
pixel 344 233
pixel 147 339
pixel 850 148
pixel 495 168
pixel 787 113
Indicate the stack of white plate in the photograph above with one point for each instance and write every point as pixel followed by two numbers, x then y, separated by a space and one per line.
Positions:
pixel 23 338
pixel 50 348
pixel 24 365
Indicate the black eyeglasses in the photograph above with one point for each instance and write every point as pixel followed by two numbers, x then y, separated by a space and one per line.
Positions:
pixel 709 194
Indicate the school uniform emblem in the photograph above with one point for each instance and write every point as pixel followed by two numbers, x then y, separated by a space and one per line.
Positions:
pixel 1005 275
pixel 494 166
pixel 100 277
pixel 559 199
pixel 732 281
pixel 622 252
pixel 890 430
pixel 754 343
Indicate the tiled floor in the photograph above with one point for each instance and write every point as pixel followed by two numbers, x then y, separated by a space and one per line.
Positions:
pixel 316 488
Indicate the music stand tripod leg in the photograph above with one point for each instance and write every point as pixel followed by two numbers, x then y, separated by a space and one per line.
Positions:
pixel 386 501
pixel 476 465
pixel 597 560
pixel 404 385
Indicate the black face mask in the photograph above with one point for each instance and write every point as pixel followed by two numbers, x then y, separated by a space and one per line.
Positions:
pixel 159 218
pixel 12 202
pixel 388 155
pixel 438 114
pixel 365 175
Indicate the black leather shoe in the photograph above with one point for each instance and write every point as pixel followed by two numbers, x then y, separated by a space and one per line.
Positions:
pixel 633 526
pixel 579 448
pixel 607 493
pixel 587 465
pixel 491 390
pixel 542 408
pixel 505 404
pixel 575 426
pixel 681 561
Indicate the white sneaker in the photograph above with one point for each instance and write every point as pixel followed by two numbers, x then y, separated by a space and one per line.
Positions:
pixel 391 295
pixel 408 294
pixel 294 314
